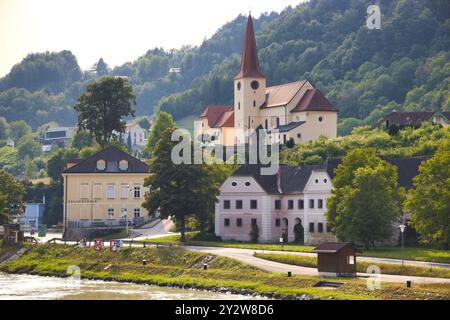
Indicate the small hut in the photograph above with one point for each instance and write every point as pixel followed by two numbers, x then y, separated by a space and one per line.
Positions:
pixel 336 259
pixel 12 234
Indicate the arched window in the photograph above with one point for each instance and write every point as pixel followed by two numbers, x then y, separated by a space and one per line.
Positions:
pixel 123 165
pixel 278 122
pixel 266 124
pixel 101 165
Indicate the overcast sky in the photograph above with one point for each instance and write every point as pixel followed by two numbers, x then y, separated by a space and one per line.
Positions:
pixel 117 30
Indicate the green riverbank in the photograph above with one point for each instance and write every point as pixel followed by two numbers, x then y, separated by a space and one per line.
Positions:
pixel 410 253
pixel 177 267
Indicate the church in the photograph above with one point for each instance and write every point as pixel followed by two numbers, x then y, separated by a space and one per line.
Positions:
pixel 293 111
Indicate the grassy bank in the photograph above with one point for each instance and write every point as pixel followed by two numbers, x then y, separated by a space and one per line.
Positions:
pixel 417 254
pixel 182 268
pixel 386 268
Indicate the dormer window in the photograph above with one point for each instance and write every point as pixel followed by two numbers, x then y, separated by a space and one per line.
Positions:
pixel 123 165
pixel 101 165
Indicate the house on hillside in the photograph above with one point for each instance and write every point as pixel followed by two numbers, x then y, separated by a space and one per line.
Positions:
pixel 293 111
pixel 134 135
pixel 401 120
pixel 105 190
pixel 290 204
pixel 59 136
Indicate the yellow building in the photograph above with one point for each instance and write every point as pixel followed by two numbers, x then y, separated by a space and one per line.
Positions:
pixel 105 190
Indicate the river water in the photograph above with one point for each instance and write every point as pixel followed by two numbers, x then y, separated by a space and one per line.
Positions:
pixel 25 287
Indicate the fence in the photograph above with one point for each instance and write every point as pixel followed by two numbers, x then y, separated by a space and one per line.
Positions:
pixel 109 223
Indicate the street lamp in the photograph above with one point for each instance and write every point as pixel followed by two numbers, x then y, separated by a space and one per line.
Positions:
pixel 402 230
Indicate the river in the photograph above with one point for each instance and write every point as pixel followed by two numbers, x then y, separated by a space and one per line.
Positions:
pixel 25 287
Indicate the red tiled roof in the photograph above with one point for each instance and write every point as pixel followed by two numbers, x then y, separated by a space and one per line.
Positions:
pixel 226 120
pixel 214 113
pixel 249 61
pixel 282 94
pixel 314 100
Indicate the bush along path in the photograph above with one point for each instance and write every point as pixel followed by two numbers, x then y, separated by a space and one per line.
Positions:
pixel 186 269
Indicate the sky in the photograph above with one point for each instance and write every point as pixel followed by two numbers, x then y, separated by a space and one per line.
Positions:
pixel 116 30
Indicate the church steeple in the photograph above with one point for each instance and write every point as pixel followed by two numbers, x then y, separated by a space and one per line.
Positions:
pixel 249 62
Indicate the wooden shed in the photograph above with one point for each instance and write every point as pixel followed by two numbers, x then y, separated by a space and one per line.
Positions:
pixel 336 259
pixel 12 234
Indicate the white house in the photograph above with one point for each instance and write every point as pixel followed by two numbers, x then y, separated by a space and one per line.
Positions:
pixel 134 132
pixel 280 202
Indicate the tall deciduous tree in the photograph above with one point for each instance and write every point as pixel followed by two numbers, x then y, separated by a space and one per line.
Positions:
pixel 4 129
pixel 101 108
pixel 11 192
pixel 163 122
pixel 429 201
pixel 18 129
pixel 27 146
pixel 179 190
pixel 366 199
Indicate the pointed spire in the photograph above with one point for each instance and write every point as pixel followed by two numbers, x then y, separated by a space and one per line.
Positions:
pixel 250 62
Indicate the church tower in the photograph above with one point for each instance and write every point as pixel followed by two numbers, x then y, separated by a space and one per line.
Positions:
pixel 249 88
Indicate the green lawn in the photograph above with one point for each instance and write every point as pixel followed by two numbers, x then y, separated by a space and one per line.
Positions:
pixel 419 254
pixel 178 267
pixel 386 268
pixel 192 241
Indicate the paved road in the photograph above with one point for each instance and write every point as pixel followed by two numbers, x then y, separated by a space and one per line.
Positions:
pixel 246 256
pixel 161 229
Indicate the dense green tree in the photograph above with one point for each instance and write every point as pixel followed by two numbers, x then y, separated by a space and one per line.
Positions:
pixel 18 129
pixel 82 139
pixel 129 145
pixel 30 171
pixel 28 146
pixel 11 192
pixel 163 122
pixel 57 162
pixel 101 108
pixel 429 201
pixel 4 129
pixel 178 190
pixel 365 200
pixel 51 71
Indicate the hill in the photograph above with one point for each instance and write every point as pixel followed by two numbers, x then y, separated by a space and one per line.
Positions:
pixel 365 73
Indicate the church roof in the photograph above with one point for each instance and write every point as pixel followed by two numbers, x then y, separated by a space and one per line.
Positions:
pixel 314 100
pixel 214 113
pixel 249 61
pixel 225 120
pixel 282 94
